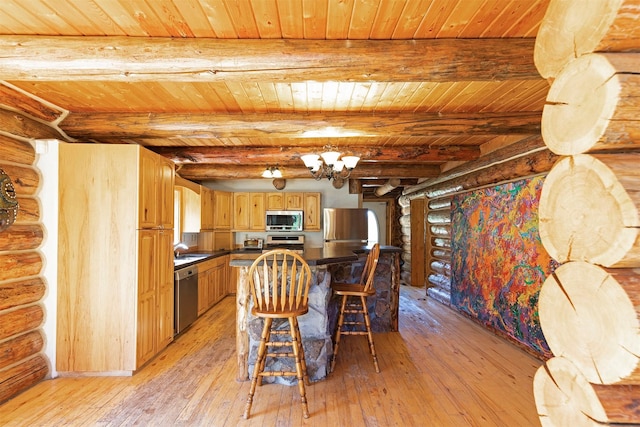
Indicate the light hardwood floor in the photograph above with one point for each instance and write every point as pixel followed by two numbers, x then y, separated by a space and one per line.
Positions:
pixel 440 369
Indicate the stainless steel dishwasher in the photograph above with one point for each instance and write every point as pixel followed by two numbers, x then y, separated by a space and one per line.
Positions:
pixel 186 297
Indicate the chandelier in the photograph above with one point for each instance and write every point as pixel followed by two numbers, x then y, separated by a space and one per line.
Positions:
pixel 330 164
pixel 272 172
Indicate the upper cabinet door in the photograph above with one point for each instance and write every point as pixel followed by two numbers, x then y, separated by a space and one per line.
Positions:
pixel 312 209
pixel 257 220
pixel 293 201
pixel 149 191
pixel 165 192
pixel 222 209
pixel 206 209
pixel 241 211
pixel 156 190
pixel 275 201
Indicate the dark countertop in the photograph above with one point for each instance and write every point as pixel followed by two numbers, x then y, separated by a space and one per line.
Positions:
pixel 328 254
pixel 192 258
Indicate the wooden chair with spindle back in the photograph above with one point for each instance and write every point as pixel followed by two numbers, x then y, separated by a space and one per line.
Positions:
pixel 279 282
pixel 354 302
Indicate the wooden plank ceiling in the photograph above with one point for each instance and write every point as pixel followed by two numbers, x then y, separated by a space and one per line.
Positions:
pixel 227 87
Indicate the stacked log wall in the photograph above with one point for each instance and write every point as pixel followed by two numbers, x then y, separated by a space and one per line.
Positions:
pixel 23 362
pixel 521 160
pixel 526 158
pixel 405 231
pixel 439 249
pixel 590 214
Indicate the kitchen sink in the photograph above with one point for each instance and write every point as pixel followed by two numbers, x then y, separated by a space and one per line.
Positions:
pixel 191 256
pixel 188 258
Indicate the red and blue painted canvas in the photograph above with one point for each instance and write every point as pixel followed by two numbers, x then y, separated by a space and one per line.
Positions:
pixel 499 263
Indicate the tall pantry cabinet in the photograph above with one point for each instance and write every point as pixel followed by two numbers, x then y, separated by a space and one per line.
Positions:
pixel 115 258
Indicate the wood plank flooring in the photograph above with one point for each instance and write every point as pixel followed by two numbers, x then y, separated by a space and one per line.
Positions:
pixel 440 369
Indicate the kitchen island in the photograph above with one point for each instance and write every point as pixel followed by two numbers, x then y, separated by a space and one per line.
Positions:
pixel 317 327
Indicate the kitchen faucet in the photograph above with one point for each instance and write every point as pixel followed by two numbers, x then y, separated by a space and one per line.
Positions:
pixel 179 247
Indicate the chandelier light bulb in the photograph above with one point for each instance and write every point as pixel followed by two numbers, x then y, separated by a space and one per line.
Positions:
pixel 330 157
pixel 350 162
pixel 311 160
pixel 272 172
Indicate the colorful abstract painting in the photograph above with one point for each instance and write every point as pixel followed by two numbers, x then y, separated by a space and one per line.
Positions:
pixel 499 263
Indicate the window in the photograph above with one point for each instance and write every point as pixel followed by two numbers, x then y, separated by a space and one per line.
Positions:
pixel 373 227
pixel 177 229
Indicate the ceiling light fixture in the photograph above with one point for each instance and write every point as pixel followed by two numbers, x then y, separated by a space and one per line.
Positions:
pixel 272 172
pixel 330 164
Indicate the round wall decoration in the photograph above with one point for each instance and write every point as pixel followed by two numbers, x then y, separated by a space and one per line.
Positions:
pixel 8 202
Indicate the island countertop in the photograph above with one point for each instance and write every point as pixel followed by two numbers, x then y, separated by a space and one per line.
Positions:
pixel 318 326
pixel 328 254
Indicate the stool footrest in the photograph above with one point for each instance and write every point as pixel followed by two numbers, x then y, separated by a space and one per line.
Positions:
pixel 278 374
pixel 281 332
pixel 279 343
pixel 280 355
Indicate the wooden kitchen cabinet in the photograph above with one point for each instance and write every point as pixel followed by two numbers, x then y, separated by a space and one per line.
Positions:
pixel 212 282
pixel 293 201
pixel 115 280
pixel 257 218
pixel 222 201
pixel 284 201
pixel 274 201
pixel 155 294
pixel 206 209
pixel 190 205
pixel 215 209
pixel 165 290
pixel 312 211
pixel 249 211
pixel 147 296
pixel 241 211
pixel 309 203
pixel 157 179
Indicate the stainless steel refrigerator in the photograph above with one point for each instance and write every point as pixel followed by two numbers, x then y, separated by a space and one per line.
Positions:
pixel 346 226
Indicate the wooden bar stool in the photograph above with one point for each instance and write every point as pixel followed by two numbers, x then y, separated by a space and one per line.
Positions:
pixel 354 301
pixel 279 282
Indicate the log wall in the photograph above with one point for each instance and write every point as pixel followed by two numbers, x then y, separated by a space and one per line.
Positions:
pixel 23 362
pixel 590 213
pixel 438 219
pixel 405 231
pixel 521 160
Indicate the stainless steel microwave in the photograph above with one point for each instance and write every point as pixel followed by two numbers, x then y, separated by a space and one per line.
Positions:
pixel 284 220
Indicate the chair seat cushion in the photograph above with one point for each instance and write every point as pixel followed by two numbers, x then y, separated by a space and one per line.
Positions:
pixel 351 289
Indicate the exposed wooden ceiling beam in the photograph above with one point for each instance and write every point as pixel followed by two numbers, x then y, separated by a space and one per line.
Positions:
pixel 202 172
pixel 168 125
pixel 133 59
pixel 375 183
pixel 268 155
